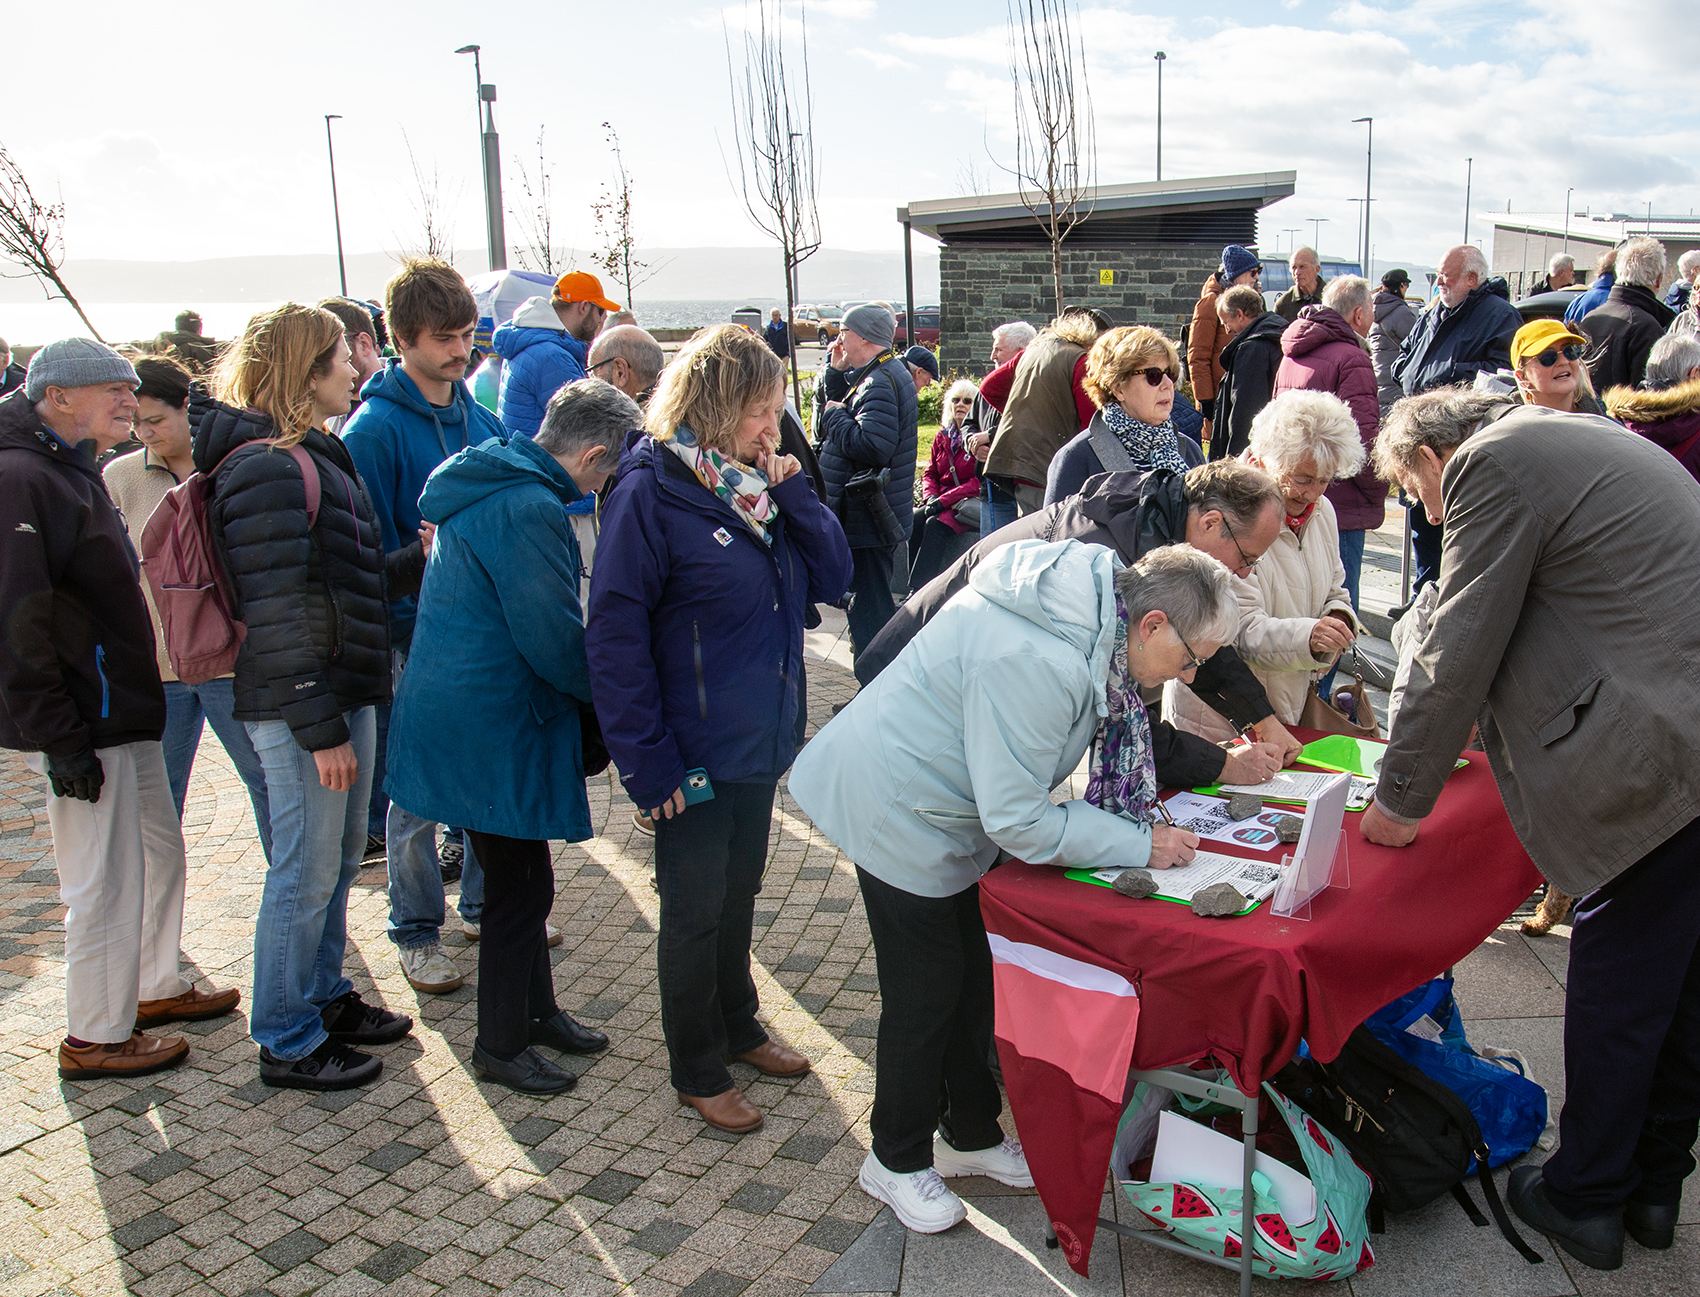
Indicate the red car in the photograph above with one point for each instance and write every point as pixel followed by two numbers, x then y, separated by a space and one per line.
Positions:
pixel 926 326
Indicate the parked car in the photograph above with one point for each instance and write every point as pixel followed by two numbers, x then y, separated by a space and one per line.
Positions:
pixel 809 324
pixel 1548 306
pixel 926 326
pixel 752 318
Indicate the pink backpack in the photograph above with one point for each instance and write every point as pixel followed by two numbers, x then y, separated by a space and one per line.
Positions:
pixel 191 587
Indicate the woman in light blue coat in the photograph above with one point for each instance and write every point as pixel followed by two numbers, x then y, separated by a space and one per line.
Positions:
pixel 945 763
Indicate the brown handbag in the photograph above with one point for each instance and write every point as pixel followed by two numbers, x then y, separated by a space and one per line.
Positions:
pixel 1325 716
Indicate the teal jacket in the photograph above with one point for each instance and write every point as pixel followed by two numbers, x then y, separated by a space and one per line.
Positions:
pixel 485 729
pixel 950 754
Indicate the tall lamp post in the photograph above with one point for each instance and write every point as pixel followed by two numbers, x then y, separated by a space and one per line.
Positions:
pixel 1316 224
pixel 336 211
pixel 493 226
pixel 1291 243
pixel 1469 175
pixel 1159 56
pixel 1369 165
pixel 1567 194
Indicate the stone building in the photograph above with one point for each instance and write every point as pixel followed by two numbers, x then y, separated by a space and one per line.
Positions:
pixel 1141 254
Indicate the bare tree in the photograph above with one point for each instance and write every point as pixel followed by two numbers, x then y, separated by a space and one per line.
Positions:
pixel 536 219
pixel 1056 142
pixel 970 179
pixel 32 234
pixel 613 212
pixel 773 117
pixel 435 230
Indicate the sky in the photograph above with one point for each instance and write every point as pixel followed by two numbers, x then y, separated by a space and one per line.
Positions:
pixel 182 140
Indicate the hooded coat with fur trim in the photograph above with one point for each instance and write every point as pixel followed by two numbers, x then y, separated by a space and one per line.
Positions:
pixel 1669 418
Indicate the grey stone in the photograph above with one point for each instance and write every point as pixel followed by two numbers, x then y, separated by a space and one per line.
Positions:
pixel 757 1198
pixel 391 1157
pixel 872 1264
pixel 292 1249
pixel 12 1266
pixel 1218 901
pixel 715 1283
pixel 811 1001
pixel 139 1101
pixel 1010 1257
pixel 1290 827
pixel 832 1234
pixel 162 1166
pixel 393 1262
pixel 1242 806
pixel 806 1146
pixel 612 1187
pixel 1135 883
pixel 661 1236
pixel 600 1009
pixel 799 964
pixel 1435 1252
pixel 532 1131
pixel 143 1230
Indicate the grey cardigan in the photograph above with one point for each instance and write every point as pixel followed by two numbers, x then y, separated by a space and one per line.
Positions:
pixel 1567 623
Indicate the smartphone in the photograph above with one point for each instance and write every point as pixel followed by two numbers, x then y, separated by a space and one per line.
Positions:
pixel 696 787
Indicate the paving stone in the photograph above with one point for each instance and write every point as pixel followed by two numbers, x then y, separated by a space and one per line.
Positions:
pixel 756 1198
pixel 139 1101
pixel 600 1009
pixel 292 1249
pixel 799 964
pixel 532 1130
pixel 162 1167
pixel 390 1264
pixel 612 1187
pixel 811 1002
pixel 832 1234
pixel 391 1157
pixel 764 918
pixel 872 1263
pixel 715 1283
pixel 661 1236
pixel 807 1147
pixel 144 1230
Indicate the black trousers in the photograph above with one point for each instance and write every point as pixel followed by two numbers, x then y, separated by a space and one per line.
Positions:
pixel 1425 547
pixel 935 1035
pixel 871 602
pixel 514 981
pixel 934 547
pixel 1632 1037
pixel 708 866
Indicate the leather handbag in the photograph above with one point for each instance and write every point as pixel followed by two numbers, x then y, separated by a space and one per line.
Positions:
pixel 1325 716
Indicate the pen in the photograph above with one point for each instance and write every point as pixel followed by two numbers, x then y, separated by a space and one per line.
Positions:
pixel 1164 812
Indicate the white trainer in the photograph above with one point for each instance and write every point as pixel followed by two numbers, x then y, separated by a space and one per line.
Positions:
pixel 1005 1163
pixel 920 1199
pixel 475 931
pixel 428 969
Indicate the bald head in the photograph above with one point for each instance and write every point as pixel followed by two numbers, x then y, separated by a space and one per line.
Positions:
pixel 627 357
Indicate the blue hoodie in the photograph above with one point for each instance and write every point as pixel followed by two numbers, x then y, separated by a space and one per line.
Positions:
pixel 396 439
pixel 485 730
pixel 539 357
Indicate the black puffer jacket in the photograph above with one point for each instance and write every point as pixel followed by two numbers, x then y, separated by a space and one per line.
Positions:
pixel 875 429
pixel 1249 363
pixel 315 603
pixel 1623 332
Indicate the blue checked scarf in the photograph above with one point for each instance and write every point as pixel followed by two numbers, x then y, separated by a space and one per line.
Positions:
pixel 1150 447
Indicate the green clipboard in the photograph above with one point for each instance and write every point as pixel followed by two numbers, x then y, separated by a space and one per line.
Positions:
pixel 1085 876
pixel 1346 754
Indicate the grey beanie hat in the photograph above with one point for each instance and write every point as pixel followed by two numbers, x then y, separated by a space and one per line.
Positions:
pixel 874 323
pixel 76 362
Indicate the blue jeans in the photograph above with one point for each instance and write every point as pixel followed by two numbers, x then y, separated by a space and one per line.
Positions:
pixel 998 508
pixel 186 707
pixel 1352 559
pixel 417 908
pixel 319 837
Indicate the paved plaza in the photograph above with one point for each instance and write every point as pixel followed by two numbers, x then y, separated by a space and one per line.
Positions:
pixel 202 1181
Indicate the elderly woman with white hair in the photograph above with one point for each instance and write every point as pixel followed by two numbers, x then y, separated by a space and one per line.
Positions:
pixel 1295 615
pixel 947 523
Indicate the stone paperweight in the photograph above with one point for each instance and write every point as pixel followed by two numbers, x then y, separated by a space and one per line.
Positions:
pixel 1218 901
pixel 1135 883
pixel 1290 827
pixel 1242 806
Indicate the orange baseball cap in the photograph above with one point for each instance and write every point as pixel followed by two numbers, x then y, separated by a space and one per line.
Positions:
pixel 581 286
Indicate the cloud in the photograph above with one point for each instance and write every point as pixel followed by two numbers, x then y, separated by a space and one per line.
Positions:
pixel 884 62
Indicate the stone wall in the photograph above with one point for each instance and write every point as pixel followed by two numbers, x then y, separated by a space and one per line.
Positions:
pixel 981 288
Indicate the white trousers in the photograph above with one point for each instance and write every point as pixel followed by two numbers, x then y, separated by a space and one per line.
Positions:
pixel 121 874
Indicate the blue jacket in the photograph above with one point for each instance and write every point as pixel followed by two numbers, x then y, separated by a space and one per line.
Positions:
pixel 875 428
pixel 1677 297
pixel 696 628
pixel 1595 296
pixel 1450 346
pixel 539 357
pixel 396 438
pixel 951 752
pixel 485 730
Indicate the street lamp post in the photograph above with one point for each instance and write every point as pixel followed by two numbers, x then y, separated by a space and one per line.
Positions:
pixel 1469 175
pixel 1316 223
pixel 1159 56
pixel 493 224
pixel 1567 194
pixel 336 211
pixel 1369 166
pixel 1289 232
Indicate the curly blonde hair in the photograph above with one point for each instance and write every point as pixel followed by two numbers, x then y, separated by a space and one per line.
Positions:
pixel 1122 353
pixel 717 375
pixel 271 366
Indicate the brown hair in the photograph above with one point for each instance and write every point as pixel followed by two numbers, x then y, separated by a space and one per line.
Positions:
pixel 1242 298
pixel 356 319
pixel 1122 352
pixel 271 365
pixel 164 378
pixel 714 379
pixel 425 295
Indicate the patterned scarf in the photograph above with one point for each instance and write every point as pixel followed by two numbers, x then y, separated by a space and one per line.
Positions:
pixel 1124 774
pixel 1297 521
pixel 741 486
pixel 1150 447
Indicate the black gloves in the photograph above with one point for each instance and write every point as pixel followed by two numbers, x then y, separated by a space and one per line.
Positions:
pixel 1207 407
pixel 78 776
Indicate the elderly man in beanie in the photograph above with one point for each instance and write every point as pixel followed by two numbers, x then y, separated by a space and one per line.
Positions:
pixel 923 364
pixel 80 695
pixel 1207 337
pixel 867 456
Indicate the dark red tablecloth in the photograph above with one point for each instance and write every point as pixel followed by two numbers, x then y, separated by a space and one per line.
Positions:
pixel 1246 990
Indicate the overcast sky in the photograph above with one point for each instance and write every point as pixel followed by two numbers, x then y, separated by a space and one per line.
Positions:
pixel 190 133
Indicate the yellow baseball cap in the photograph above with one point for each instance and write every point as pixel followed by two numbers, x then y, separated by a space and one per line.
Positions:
pixel 1538 335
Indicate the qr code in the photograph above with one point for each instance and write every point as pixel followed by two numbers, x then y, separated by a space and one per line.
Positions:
pixel 1203 822
pixel 1260 873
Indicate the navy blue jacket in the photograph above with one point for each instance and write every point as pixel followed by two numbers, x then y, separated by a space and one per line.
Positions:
pixel 1451 346
pixel 695 634
pixel 875 428
pixel 1078 461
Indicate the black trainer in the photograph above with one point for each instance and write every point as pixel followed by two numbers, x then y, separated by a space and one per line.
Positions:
pixel 1652 1225
pixel 331 1066
pixel 452 857
pixel 570 1037
pixel 530 1073
pixel 376 849
pixel 351 1019
pixel 1595 1241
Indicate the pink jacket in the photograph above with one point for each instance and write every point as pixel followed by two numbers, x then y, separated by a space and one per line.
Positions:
pixel 1322 353
pixel 951 475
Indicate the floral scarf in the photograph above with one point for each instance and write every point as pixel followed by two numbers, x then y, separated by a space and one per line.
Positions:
pixel 1150 447
pixel 741 486
pixel 1124 773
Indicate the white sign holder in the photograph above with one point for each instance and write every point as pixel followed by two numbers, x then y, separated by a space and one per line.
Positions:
pixel 1321 860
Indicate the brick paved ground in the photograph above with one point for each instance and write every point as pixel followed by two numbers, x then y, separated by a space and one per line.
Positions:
pixel 202 1181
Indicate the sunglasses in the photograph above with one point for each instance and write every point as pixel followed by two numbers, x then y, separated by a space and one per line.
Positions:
pixel 1548 358
pixel 1155 376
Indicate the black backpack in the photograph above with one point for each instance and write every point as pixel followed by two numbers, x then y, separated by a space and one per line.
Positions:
pixel 1415 1137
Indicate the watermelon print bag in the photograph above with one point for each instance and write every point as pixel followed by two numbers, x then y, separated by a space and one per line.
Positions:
pixel 1333 1246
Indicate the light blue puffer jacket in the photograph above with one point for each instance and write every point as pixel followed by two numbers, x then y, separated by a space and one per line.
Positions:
pixel 951 753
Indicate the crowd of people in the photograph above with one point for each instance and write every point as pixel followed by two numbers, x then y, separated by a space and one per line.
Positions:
pixel 446 618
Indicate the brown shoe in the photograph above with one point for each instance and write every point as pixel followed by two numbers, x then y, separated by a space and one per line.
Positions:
pixel 193 1005
pixel 775 1060
pixel 730 1112
pixel 136 1056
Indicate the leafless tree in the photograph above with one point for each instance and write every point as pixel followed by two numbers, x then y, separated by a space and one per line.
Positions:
pixel 436 232
pixel 613 212
pixel 971 180
pixel 1056 143
pixel 773 119
pixel 536 219
pixel 32 235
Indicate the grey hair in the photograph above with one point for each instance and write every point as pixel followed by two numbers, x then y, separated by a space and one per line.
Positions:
pixel 1303 247
pixel 1186 585
pixel 636 347
pixel 1347 294
pixel 1642 261
pixel 1240 493
pixel 1440 420
pixel 1561 261
pixel 1670 360
pixel 1317 426
pixel 1018 333
pixel 1688 263
pixel 961 387
pixel 1475 262
pixel 588 413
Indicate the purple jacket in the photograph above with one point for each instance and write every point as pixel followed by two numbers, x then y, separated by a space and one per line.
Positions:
pixel 1322 353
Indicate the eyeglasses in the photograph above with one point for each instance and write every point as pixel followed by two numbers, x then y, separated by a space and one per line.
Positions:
pixel 598 365
pixel 1195 661
pixel 1548 358
pixel 1247 562
pixel 1155 376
